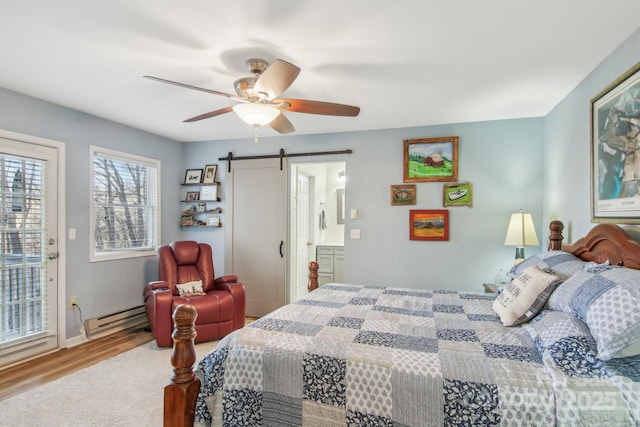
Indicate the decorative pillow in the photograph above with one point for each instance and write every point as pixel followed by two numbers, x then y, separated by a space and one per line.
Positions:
pixel 560 263
pixel 190 289
pixel 550 326
pixel 524 296
pixel 567 344
pixel 607 299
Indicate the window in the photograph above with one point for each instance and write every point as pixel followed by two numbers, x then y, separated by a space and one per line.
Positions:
pixel 125 208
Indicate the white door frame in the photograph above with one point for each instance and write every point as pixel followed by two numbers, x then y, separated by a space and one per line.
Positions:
pixel 294 290
pixel 62 275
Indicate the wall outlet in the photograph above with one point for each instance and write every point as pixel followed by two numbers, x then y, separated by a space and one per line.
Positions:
pixel 72 302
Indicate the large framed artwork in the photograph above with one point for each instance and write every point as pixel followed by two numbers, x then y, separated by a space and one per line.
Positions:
pixel 429 224
pixel 615 151
pixel 431 159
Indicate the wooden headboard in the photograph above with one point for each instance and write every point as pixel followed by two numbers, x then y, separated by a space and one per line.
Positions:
pixel 604 242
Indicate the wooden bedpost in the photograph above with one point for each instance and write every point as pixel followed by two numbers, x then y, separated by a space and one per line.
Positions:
pixel 313 276
pixel 555 235
pixel 181 392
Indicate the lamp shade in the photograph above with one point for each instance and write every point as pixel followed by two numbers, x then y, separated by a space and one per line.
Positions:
pixel 256 114
pixel 521 231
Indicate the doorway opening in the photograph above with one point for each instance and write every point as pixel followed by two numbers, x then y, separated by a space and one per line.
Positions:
pixel 316 226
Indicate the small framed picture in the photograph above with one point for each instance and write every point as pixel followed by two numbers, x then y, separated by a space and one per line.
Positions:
pixel 202 206
pixel 429 224
pixel 458 194
pixel 193 176
pixel 209 193
pixel 209 174
pixel 403 194
pixel 193 195
pixel 213 221
pixel 186 221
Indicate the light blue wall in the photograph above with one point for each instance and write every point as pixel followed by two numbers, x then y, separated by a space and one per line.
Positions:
pixel 502 159
pixel 567 144
pixel 101 287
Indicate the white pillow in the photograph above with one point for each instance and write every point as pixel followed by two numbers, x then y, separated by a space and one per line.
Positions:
pixel 190 289
pixel 524 296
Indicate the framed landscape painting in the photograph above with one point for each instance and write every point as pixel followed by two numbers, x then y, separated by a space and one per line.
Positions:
pixel 429 224
pixel 431 159
pixel 615 151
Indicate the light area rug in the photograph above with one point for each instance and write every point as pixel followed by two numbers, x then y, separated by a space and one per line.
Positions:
pixel 126 390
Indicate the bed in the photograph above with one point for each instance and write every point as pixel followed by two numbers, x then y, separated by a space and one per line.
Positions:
pixel 367 355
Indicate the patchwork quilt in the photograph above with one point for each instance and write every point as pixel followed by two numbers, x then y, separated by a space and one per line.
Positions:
pixel 364 355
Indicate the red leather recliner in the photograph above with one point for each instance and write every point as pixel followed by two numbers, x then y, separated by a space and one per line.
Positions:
pixel 221 309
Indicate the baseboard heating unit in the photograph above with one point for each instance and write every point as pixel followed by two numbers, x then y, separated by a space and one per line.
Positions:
pixel 115 322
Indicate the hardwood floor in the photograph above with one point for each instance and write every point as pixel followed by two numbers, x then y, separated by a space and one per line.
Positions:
pixel 25 376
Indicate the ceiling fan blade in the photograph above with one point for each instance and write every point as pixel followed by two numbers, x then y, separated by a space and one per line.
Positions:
pixel 276 78
pixel 215 92
pixel 317 107
pixel 281 124
pixel 210 114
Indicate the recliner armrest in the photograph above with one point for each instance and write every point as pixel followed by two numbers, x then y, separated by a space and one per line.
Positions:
pixel 158 284
pixel 237 291
pixel 231 278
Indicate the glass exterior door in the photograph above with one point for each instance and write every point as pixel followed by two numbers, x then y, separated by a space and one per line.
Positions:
pixel 28 263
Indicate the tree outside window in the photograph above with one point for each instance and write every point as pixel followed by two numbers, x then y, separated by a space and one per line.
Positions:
pixel 125 205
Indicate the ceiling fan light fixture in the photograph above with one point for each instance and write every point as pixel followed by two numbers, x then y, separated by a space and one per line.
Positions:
pixel 256 114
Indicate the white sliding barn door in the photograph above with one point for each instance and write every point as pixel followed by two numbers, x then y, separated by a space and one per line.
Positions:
pixel 256 231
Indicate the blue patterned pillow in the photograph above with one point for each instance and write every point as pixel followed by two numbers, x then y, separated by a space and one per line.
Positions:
pixel 550 326
pixel 567 342
pixel 607 299
pixel 557 262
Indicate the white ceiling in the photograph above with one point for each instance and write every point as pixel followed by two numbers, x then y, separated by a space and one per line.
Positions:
pixel 405 63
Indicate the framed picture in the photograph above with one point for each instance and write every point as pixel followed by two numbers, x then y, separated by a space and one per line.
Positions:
pixel 209 174
pixel 429 224
pixel 431 159
pixel 193 176
pixel 186 221
pixel 615 152
pixel 213 221
pixel 202 206
pixel 403 194
pixel 457 194
pixel 193 195
pixel 209 193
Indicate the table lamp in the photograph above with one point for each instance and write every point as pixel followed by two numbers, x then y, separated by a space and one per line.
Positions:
pixel 521 233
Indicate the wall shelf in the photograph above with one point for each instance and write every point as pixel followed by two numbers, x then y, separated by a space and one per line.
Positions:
pixel 200 215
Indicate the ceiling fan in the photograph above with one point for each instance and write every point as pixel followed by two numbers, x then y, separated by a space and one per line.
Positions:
pixel 258 97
